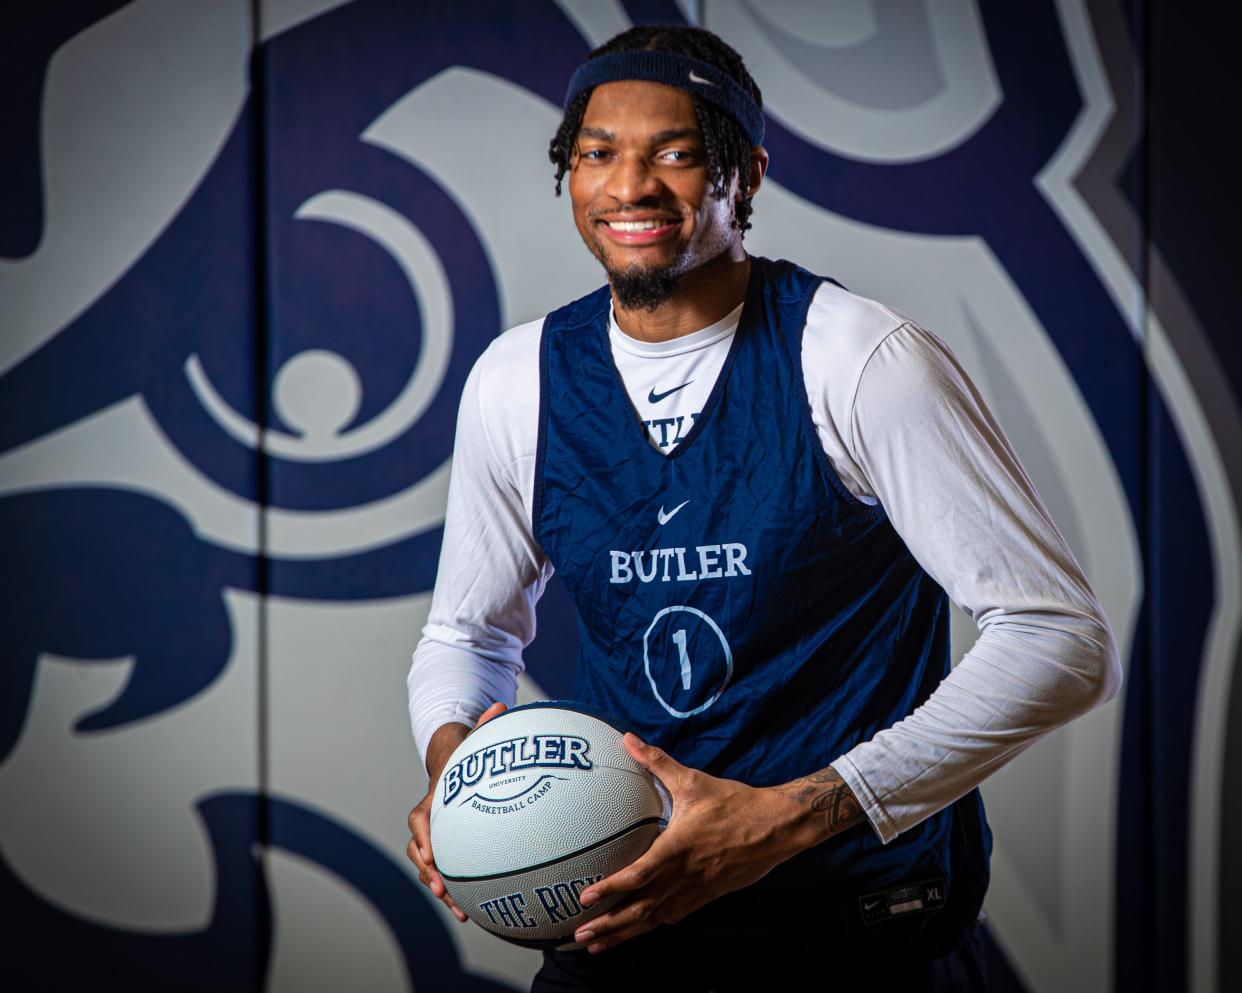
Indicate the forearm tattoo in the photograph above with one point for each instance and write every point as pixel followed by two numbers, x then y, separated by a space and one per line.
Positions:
pixel 825 792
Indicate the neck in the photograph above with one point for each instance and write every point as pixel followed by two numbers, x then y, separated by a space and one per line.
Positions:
pixel 704 295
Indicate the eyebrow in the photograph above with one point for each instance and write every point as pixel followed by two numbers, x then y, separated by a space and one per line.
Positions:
pixel 659 138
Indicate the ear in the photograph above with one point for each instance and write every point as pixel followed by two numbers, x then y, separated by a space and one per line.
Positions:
pixel 758 169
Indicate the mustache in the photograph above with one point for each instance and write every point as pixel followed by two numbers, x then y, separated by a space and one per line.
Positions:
pixel 632 208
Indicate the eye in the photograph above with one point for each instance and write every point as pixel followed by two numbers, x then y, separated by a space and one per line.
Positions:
pixel 592 154
pixel 679 155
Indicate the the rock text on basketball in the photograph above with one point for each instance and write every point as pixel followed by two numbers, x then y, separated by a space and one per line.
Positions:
pixel 560 900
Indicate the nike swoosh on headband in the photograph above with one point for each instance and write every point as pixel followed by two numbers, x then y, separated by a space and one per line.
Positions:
pixel 706 81
pixel 654 397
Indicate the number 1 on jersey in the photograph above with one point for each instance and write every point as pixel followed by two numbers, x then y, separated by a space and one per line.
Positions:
pixel 715 669
pixel 679 639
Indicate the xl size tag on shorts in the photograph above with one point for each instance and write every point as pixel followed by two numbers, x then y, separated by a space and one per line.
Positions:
pixel 911 898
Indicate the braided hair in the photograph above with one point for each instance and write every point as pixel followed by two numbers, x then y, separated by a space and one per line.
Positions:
pixel 726 145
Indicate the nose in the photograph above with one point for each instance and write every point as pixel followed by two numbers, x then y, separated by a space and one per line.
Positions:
pixel 632 180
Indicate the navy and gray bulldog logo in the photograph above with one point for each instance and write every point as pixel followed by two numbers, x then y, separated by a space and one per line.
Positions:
pixel 276 387
pixel 277 392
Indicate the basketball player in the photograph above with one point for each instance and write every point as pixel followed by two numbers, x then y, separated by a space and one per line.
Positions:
pixel 758 488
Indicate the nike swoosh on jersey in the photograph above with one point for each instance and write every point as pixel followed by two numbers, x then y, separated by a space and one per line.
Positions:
pixel 664 518
pixel 654 397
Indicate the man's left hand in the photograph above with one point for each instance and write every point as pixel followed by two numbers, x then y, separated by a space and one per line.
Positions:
pixel 722 835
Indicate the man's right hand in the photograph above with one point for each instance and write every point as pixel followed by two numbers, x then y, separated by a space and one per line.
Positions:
pixel 442 745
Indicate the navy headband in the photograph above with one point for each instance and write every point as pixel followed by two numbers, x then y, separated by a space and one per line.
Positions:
pixel 702 79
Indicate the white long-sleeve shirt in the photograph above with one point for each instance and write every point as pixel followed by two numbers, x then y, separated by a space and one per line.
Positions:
pixel 901 424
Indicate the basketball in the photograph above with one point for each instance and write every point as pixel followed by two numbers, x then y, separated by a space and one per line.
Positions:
pixel 531 809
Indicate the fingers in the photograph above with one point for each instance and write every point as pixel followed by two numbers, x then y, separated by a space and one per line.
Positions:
pixel 430 878
pixel 655 760
pixel 419 852
pixel 620 925
pixel 633 877
pixel 495 710
pixel 419 848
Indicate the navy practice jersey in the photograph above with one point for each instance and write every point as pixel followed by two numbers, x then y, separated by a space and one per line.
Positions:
pixel 741 609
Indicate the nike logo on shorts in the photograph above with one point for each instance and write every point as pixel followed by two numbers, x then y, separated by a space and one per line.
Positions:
pixel 654 397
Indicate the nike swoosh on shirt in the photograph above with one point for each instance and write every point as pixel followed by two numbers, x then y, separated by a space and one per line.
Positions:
pixel 664 518
pixel 654 397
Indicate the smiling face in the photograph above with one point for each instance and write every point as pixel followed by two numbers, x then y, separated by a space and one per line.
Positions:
pixel 641 196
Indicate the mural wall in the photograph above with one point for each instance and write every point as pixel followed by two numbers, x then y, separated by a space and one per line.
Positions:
pixel 249 252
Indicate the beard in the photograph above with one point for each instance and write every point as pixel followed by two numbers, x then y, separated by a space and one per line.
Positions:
pixel 639 288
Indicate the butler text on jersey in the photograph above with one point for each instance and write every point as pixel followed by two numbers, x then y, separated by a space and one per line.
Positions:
pixel 679 564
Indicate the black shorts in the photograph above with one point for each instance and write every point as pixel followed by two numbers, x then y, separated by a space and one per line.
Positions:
pixel 691 962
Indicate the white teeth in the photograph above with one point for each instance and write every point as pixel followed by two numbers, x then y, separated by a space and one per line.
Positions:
pixel 636 225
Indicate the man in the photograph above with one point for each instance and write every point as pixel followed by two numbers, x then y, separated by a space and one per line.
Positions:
pixel 757 487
